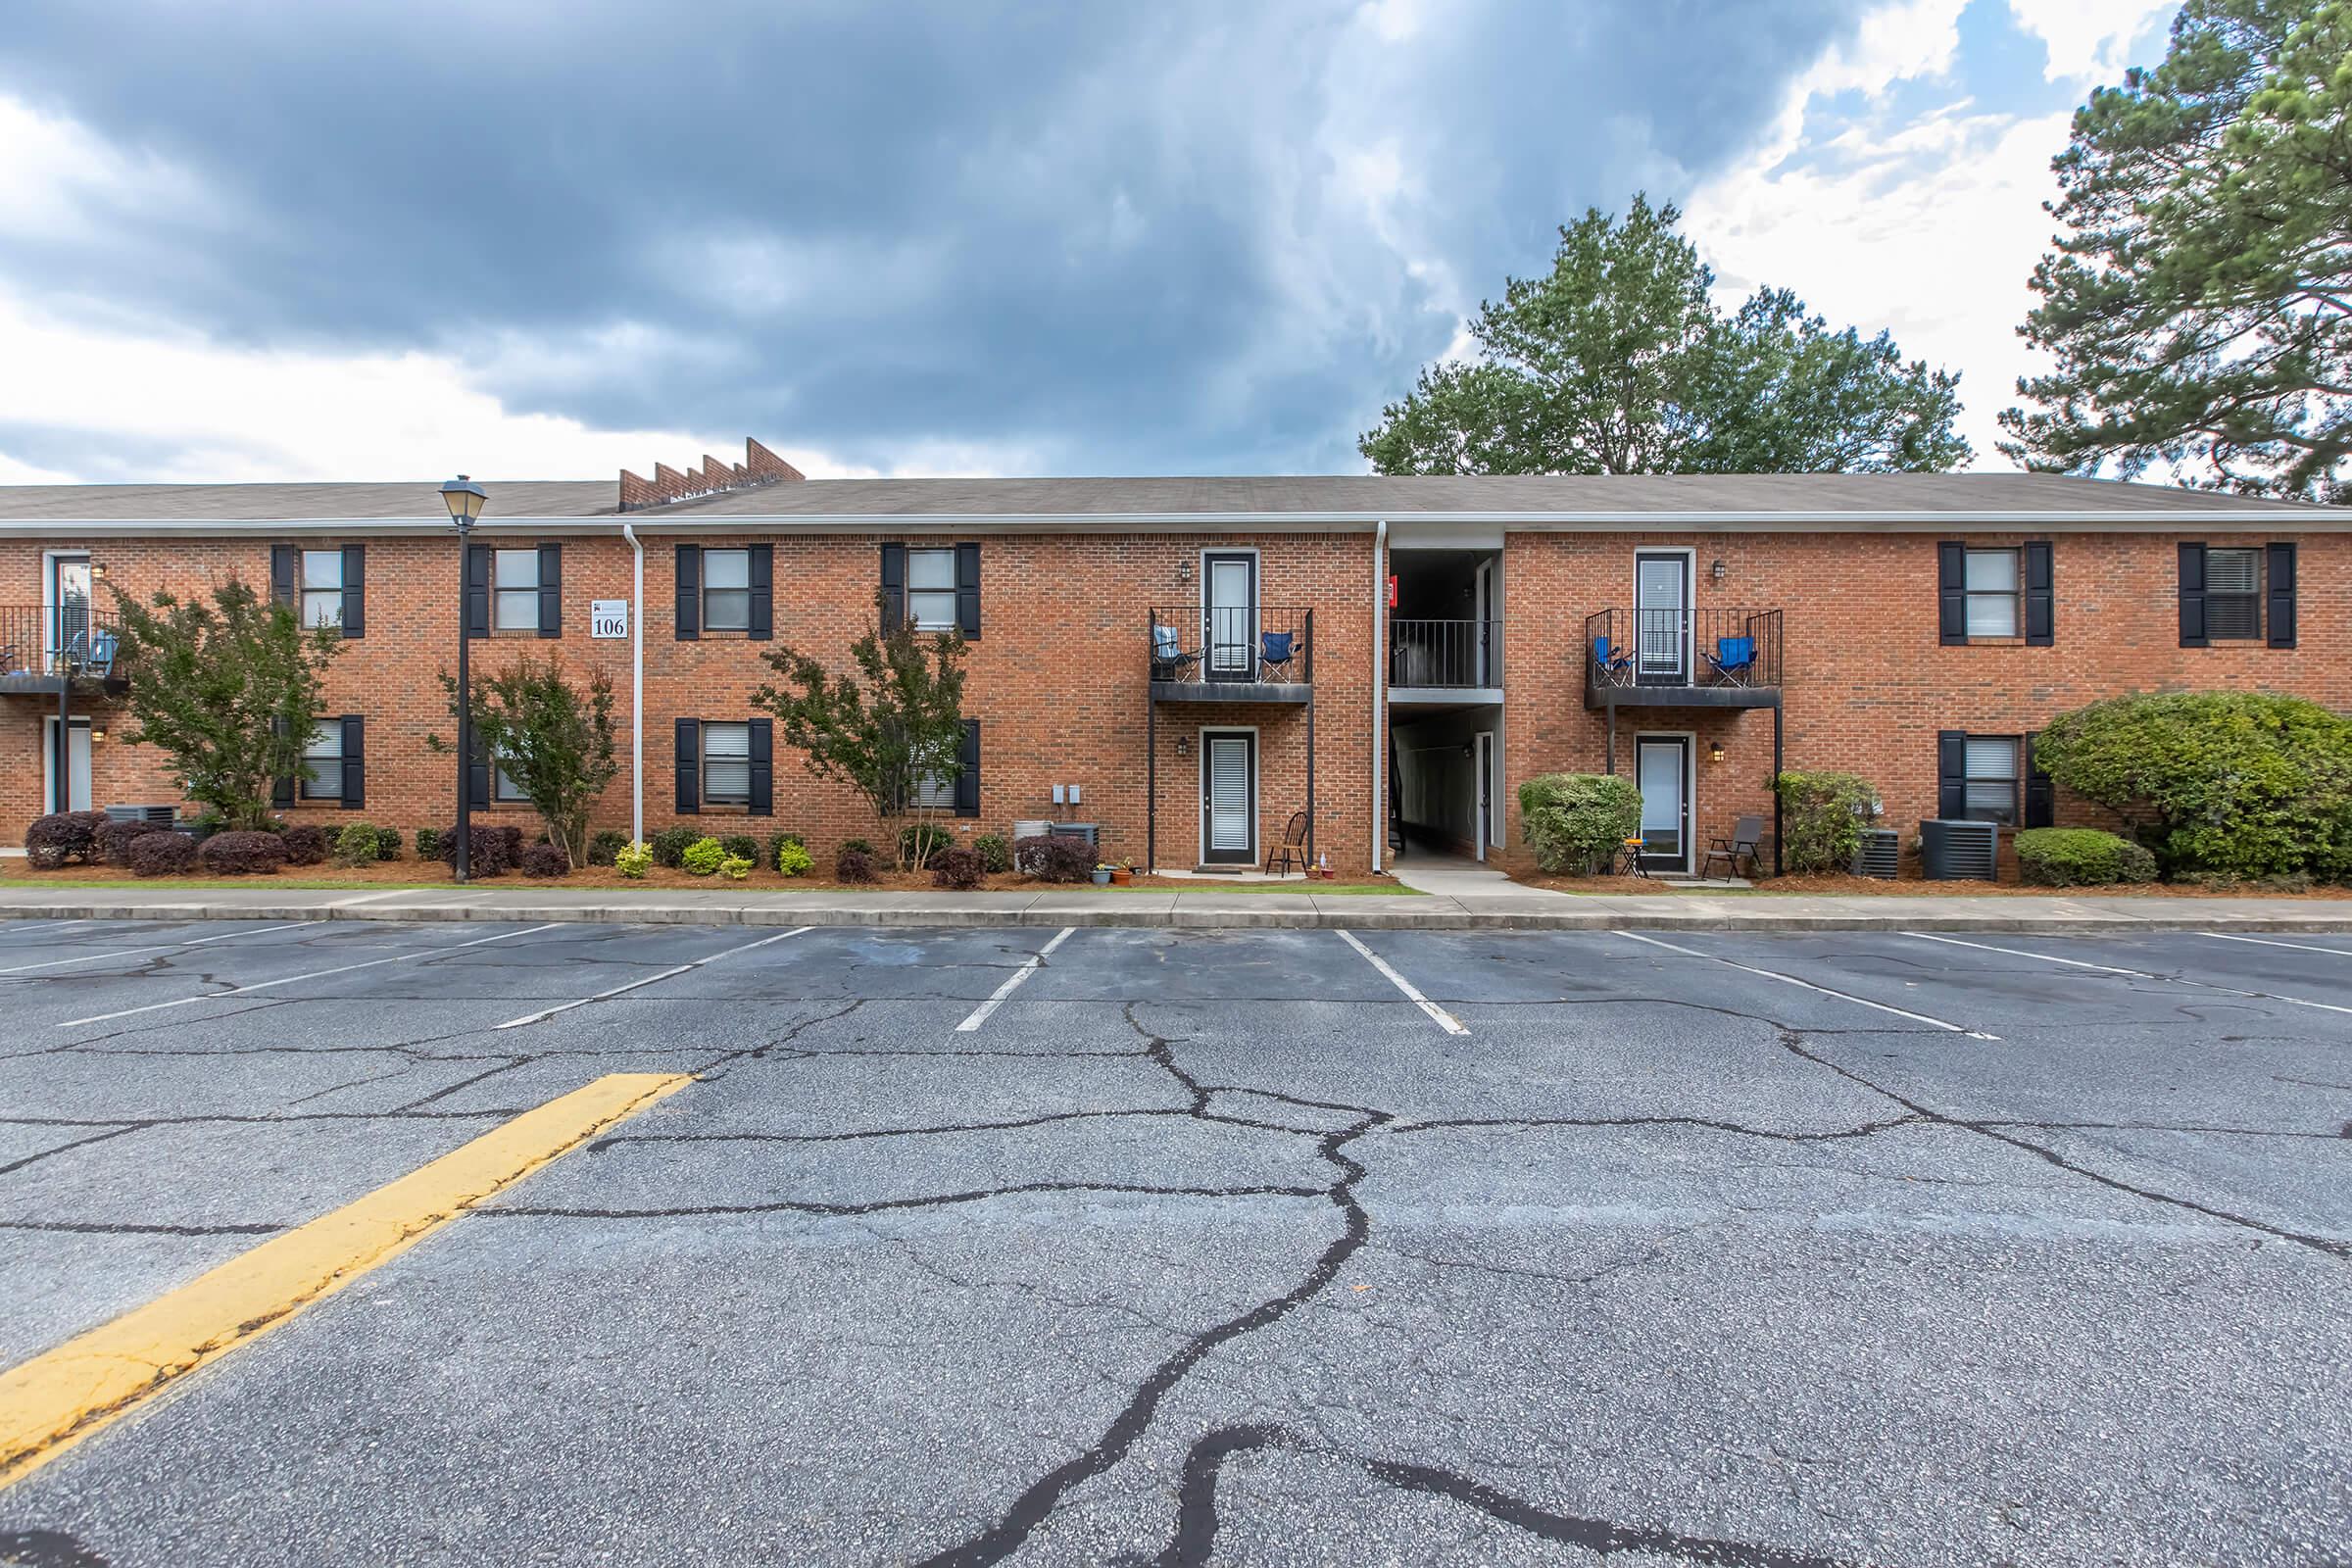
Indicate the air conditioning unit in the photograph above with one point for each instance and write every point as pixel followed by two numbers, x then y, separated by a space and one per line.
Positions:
pixel 1880 853
pixel 1092 832
pixel 1953 851
pixel 160 816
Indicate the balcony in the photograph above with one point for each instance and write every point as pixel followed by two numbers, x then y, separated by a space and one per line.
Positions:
pixel 1225 653
pixel 1683 659
pixel 1444 662
pixel 47 649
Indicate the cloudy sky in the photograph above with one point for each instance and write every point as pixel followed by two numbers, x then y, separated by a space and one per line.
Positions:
pixel 553 238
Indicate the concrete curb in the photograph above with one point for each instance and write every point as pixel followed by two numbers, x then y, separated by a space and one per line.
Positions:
pixel 1363 915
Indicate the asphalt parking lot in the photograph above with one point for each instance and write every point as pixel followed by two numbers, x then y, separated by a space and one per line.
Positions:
pixel 1157 1246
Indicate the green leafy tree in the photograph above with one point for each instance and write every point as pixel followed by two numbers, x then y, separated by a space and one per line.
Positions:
pixel 1617 360
pixel 2199 302
pixel 552 739
pixel 895 724
pixel 231 689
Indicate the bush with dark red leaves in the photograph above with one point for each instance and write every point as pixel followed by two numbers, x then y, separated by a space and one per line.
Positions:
pixel 962 870
pixel 306 844
pixel 159 851
pixel 242 854
pixel 853 865
pixel 1055 858
pixel 53 840
pixel 114 838
pixel 494 849
pixel 546 860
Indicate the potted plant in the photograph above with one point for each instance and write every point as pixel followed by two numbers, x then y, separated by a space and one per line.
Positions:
pixel 1122 874
pixel 1101 875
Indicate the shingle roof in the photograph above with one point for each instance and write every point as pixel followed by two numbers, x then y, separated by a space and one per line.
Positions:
pixel 1338 497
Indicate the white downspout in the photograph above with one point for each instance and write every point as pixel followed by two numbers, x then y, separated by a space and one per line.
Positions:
pixel 636 691
pixel 1380 705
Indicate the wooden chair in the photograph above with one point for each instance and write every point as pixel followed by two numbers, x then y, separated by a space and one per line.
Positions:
pixel 1292 850
pixel 1744 835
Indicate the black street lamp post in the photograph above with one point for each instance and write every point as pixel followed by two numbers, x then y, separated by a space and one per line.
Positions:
pixel 465 499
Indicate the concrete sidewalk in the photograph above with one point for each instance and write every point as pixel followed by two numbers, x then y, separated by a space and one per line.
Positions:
pixel 1690 911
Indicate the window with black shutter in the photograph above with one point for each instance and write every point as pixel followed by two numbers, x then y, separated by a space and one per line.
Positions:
pixel 354 761
pixel 689 766
pixel 2232 593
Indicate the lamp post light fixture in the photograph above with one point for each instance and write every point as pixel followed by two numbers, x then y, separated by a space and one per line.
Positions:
pixel 465 499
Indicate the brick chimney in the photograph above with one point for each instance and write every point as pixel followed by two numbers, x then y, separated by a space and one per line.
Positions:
pixel 759 466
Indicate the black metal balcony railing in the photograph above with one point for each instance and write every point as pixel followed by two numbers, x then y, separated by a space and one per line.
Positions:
pixel 1707 649
pixel 50 640
pixel 1445 653
pixel 1274 644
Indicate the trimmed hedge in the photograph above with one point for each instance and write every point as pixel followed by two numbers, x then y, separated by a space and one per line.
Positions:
pixel 741 847
pixel 853 865
pixel 113 839
pixel 633 860
pixel 793 859
pixel 242 854
pixel 306 844
pixel 994 853
pixel 777 843
pixel 159 851
pixel 606 847
pixel 1055 858
pixel 671 844
pixel 962 870
pixel 2080 856
pixel 1577 822
pixel 702 857
pixel 60 836
pixel 429 844
pixel 492 851
pixel 363 843
pixel 1822 818
pixel 546 861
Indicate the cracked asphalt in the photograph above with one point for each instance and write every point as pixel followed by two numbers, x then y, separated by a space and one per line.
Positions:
pixel 1207 1247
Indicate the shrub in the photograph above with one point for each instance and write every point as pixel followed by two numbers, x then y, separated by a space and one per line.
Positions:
pixel 741 847
pixel 859 845
pixel 306 844
pixel 853 865
pixel 1053 857
pixel 1822 818
pixel 60 836
pixel 159 851
pixel 633 860
pixel 242 852
pixel 735 867
pixel 2244 784
pixel 671 844
pixel 958 869
pixel 2080 856
pixel 429 844
pixel 605 848
pixel 702 857
pixel 996 854
pixel 546 860
pixel 492 851
pixel 777 843
pixel 919 842
pixel 793 859
pixel 112 840
pixel 362 843
pixel 1577 822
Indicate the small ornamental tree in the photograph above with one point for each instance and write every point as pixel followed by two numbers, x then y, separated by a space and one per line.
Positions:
pixel 230 688
pixel 554 740
pixel 893 726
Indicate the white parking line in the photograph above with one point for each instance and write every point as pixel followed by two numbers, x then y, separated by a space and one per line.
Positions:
pixel 315 974
pixel 2136 974
pixel 979 1014
pixel 159 946
pixel 635 985
pixel 1789 979
pixel 42 926
pixel 2268 942
pixel 1443 1019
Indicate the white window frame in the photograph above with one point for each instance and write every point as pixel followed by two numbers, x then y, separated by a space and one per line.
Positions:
pixel 712 622
pixel 711 797
pixel 2014 595
pixel 914 616
pixel 501 590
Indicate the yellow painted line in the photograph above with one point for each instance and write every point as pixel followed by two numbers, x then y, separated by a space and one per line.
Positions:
pixel 59 1398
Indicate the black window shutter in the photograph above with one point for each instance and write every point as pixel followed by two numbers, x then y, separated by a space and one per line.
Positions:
pixel 690 765
pixel 1951 595
pixel 551 590
pixel 1952 773
pixel 764 593
pixel 479 782
pixel 894 587
pixel 764 766
pixel 282 573
pixel 2192 595
pixel 2283 596
pixel 355 591
pixel 967 590
pixel 2041 607
pixel 354 761
pixel 2040 798
pixel 967 780
pixel 281 788
pixel 690 593
pixel 478 590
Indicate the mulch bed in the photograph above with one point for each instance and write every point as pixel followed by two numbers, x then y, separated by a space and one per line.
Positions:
pixel 407 871
pixel 1823 884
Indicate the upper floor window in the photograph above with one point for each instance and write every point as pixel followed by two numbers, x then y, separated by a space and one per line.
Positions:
pixel 931 589
pixel 726 764
pixel 1990 578
pixel 323 587
pixel 516 574
pixel 726 590
pixel 2237 594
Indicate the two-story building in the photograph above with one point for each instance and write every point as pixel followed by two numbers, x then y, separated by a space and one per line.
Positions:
pixel 1196 662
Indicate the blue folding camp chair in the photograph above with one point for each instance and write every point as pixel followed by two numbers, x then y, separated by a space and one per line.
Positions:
pixel 1610 669
pixel 1734 660
pixel 101 663
pixel 1169 661
pixel 1276 650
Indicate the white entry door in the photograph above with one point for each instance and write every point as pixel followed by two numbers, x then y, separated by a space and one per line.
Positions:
pixel 77 773
pixel 1229 799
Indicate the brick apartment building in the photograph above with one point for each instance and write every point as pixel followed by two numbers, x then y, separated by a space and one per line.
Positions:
pixel 1199 657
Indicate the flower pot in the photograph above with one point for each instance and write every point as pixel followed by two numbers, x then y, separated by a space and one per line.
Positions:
pixel 1103 876
pixel 1122 876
